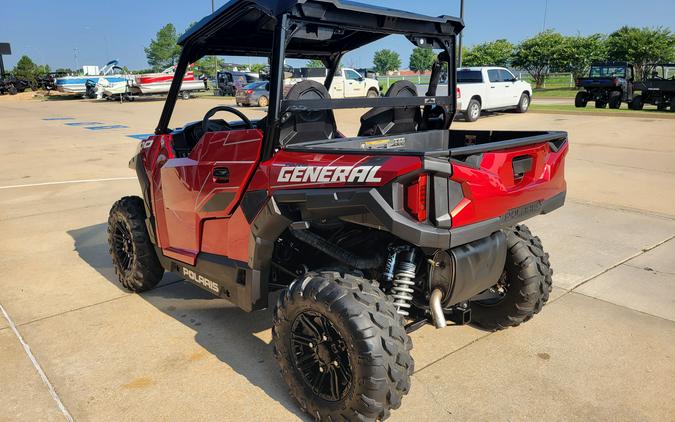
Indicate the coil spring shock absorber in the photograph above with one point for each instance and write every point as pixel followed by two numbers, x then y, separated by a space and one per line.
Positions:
pixel 403 281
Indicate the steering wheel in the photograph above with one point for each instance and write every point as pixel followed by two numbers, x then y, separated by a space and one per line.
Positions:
pixel 206 123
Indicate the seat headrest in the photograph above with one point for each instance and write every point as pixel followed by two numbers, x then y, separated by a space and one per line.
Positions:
pixel 307 126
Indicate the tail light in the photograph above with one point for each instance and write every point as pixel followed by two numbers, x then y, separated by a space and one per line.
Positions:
pixel 577 82
pixel 459 93
pixel 249 91
pixel 416 198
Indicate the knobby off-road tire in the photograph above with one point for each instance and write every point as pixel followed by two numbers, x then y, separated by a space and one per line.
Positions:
pixel 366 334
pixel 528 283
pixel 133 255
pixel 580 100
pixel 614 100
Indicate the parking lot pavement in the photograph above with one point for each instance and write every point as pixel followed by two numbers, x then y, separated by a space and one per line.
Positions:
pixel 604 347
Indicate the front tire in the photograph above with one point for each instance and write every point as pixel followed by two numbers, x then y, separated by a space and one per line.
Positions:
pixel 525 285
pixel 472 112
pixel 615 100
pixel 637 103
pixel 341 347
pixel 372 93
pixel 133 255
pixel 524 103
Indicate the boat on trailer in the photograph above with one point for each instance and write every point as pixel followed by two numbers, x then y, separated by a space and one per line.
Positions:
pixel 159 83
pixel 78 84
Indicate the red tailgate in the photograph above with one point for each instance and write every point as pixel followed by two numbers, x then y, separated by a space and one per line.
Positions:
pixel 504 181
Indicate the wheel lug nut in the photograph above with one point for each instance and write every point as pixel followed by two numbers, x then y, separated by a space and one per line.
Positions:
pixel 335 364
pixel 320 368
pixel 311 345
pixel 324 338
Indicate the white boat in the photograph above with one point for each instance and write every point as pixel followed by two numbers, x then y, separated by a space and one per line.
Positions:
pixel 77 84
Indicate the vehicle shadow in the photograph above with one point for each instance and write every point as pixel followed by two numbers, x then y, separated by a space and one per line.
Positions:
pixel 238 339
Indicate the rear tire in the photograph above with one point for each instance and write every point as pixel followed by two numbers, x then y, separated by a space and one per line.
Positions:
pixel 133 255
pixel 581 100
pixel 615 100
pixel 524 103
pixel 472 112
pixel 527 281
pixel 12 90
pixel 263 101
pixel 343 327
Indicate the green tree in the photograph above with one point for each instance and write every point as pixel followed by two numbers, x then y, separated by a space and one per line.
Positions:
pixel 25 69
pixel 163 50
pixel 579 52
pixel 422 59
pixel 317 64
pixel 209 65
pixel 537 55
pixel 493 53
pixel 258 67
pixel 642 47
pixel 386 61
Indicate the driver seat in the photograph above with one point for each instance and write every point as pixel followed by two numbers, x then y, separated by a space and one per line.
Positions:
pixel 305 126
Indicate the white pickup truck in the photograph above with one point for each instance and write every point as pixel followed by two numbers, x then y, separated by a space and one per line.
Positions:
pixel 348 83
pixel 487 88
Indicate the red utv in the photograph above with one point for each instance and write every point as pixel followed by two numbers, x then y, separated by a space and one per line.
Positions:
pixel 366 237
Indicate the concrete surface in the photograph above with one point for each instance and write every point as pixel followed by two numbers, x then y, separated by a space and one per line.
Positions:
pixel 603 349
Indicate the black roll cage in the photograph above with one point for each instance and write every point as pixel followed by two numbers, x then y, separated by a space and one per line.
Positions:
pixel 286 27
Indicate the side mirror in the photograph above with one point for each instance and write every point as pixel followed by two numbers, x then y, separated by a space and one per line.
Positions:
pixel 361 79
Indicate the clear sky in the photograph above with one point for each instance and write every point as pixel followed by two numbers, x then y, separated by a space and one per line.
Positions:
pixel 98 31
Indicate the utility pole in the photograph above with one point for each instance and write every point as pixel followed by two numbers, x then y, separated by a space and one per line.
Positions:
pixel 545 13
pixel 75 51
pixel 461 15
pixel 215 58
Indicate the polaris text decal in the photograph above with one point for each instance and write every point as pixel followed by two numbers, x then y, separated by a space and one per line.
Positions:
pixel 329 174
pixel 211 285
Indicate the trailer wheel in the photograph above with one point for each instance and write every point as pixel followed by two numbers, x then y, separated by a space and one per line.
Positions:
pixel 133 255
pixel 525 285
pixel 581 99
pixel 341 347
pixel 185 95
pixel 637 103
pixel 615 100
pixel 600 104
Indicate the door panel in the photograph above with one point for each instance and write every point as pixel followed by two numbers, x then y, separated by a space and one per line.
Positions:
pixel 497 89
pixel 206 184
pixel 512 96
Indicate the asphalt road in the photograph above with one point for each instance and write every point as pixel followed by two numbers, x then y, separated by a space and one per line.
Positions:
pixel 602 349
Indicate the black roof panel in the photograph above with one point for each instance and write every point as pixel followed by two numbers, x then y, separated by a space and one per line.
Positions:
pixel 246 27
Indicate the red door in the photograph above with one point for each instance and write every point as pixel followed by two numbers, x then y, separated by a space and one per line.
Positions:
pixel 205 185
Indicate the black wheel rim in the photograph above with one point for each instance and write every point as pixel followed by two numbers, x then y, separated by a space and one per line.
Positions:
pixel 321 356
pixel 123 246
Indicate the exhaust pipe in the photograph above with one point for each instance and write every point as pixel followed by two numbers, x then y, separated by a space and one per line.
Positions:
pixel 437 309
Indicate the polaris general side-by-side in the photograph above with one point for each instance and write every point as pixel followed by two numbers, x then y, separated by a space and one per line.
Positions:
pixel 607 84
pixel 365 238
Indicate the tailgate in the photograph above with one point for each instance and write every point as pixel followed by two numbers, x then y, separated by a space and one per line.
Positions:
pixel 501 187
